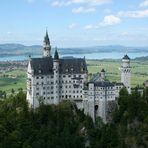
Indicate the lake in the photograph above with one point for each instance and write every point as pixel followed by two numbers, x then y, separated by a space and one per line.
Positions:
pixel 99 55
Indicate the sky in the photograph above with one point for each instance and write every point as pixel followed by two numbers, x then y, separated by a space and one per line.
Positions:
pixel 74 23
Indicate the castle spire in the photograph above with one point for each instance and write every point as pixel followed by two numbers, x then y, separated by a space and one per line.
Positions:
pixel 46 46
pixel 46 38
pixel 56 55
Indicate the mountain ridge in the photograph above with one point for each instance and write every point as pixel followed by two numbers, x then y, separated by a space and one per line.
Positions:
pixel 20 49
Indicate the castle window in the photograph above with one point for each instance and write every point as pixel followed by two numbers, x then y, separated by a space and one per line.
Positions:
pixel 69 81
pixel 43 87
pixel 69 96
pixel 37 83
pixel 73 91
pixel 69 86
pixel 37 88
pixel 51 76
pixel 51 87
pixel 42 83
pixel 51 82
pixel 37 94
pixel 37 77
pixel 48 98
pixel 52 98
pixel 42 77
pixel 44 93
pixel 63 76
pixel 52 92
pixel 69 76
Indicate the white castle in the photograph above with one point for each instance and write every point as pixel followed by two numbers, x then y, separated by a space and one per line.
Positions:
pixel 51 80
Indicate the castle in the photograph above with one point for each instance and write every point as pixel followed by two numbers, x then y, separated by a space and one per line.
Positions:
pixel 51 80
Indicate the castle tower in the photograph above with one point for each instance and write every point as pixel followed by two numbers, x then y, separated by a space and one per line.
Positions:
pixel 103 74
pixel 46 46
pixel 126 73
pixel 56 77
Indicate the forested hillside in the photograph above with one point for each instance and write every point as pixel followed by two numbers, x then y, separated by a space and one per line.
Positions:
pixel 64 126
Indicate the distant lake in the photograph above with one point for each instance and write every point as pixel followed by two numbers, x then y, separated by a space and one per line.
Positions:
pixel 99 55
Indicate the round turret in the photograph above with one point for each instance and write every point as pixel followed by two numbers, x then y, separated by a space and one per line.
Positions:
pixel 103 74
pixel 126 73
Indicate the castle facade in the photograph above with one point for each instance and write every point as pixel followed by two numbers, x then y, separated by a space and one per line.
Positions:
pixel 51 80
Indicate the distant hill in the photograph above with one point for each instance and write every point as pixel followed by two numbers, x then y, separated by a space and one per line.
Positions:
pixel 19 49
pixel 145 58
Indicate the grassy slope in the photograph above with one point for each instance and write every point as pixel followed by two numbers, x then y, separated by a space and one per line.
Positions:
pixel 139 73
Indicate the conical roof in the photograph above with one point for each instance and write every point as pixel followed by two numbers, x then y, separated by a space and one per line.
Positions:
pixel 46 38
pixel 56 55
pixel 126 57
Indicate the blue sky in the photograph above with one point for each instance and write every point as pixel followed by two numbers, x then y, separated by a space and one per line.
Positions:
pixel 75 23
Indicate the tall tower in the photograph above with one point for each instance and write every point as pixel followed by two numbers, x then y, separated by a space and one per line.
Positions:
pixel 46 46
pixel 126 73
pixel 56 77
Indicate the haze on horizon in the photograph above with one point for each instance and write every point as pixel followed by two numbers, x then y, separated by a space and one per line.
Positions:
pixel 75 23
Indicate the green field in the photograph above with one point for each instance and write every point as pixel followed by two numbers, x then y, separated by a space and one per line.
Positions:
pixel 139 74
pixel 6 84
pixel 139 70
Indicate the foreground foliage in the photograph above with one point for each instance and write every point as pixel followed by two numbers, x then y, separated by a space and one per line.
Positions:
pixel 64 126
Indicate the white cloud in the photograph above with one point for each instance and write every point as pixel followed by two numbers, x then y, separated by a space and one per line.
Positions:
pixel 110 20
pixel 60 3
pixel 134 14
pixel 73 25
pixel 87 27
pixel 83 10
pixel 144 3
